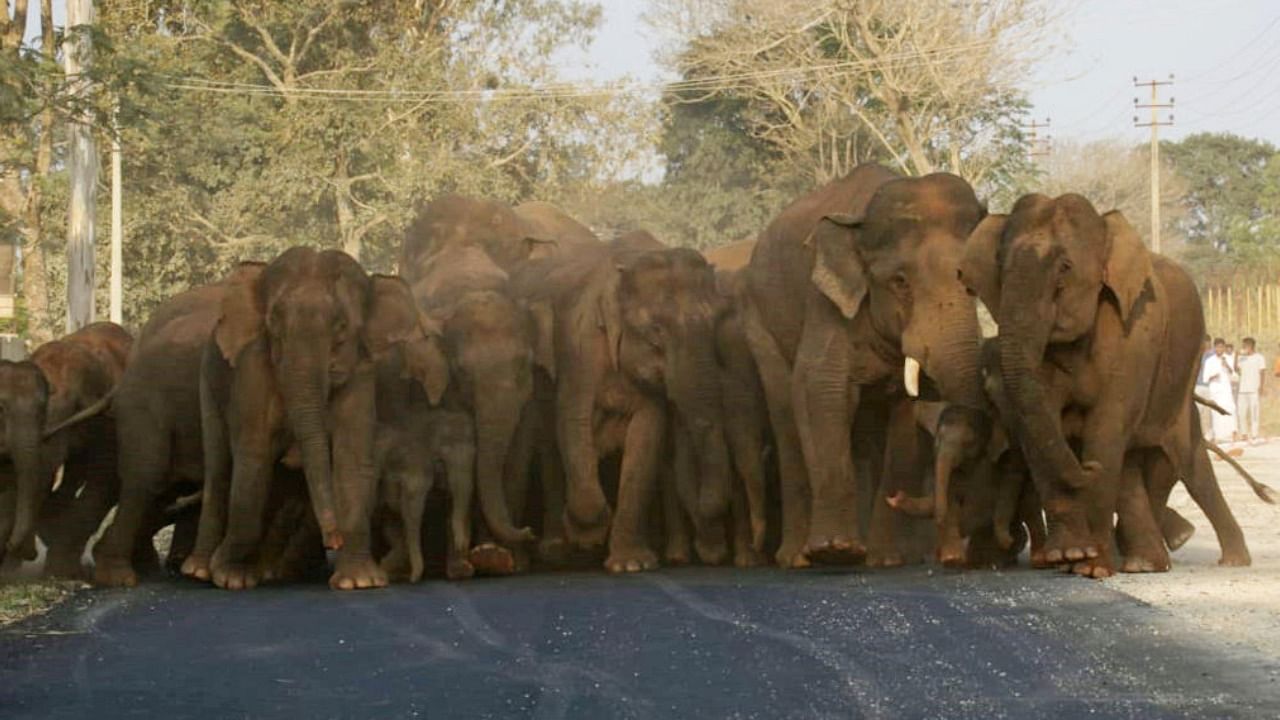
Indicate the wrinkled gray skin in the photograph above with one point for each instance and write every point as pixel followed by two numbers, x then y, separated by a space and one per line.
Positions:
pixel 61 378
pixel 635 357
pixel 844 285
pixel 301 338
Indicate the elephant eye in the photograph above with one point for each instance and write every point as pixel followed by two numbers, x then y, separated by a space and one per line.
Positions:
pixel 899 281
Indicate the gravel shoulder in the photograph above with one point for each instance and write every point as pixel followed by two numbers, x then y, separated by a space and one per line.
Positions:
pixel 1240 606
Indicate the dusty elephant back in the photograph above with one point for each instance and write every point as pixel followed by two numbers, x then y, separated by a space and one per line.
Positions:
pixel 731 257
pixel 777 277
pixel 552 230
pixel 457 220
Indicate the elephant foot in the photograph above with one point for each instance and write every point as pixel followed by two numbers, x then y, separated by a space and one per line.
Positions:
pixel 1143 564
pixel 553 551
pixel 1235 558
pixel 1039 561
pixel 490 559
pixel 1069 541
pixel 1096 568
pixel 459 567
pixel 357 573
pixel 953 556
pixel 749 558
pixel 1176 529
pixel 791 557
pixel 677 553
pixel 196 567
pixel 835 550
pixel 586 536
pixel 114 573
pixel 631 560
pixel 236 576
pixel 64 566
pixel 712 552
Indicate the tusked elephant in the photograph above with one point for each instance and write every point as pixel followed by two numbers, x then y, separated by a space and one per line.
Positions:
pixel 1093 324
pixel 635 359
pixel 37 396
pixel 850 291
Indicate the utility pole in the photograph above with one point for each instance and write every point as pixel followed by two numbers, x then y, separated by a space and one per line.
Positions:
pixel 117 225
pixel 1037 146
pixel 83 166
pixel 1155 124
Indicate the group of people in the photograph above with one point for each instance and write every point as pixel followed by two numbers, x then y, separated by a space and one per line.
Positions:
pixel 1234 381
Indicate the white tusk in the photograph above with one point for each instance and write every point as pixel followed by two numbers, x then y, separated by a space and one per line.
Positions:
pixel 986 321
pixel 911 376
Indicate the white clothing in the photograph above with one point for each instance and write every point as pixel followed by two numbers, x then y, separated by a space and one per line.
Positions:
pixel 1250 412
pixel 1251 368
pixel 1217 374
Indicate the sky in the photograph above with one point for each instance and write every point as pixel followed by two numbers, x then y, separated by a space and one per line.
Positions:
pixel 1224 56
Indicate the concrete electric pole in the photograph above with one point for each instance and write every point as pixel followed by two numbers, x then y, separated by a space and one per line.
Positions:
pixel 1155 124
pixel 83 167
pixel 1037 145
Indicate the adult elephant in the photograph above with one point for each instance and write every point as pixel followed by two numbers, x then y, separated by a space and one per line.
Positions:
pixel 850 290
pixel 60 379
pixel 157 411
pixel 1093 324
pixel 635 358
pixel 299 339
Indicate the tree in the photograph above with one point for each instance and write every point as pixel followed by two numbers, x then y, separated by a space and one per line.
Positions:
pixel 917 84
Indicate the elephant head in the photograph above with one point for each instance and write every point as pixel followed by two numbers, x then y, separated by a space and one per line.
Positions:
pixel 320 316
pixel 24 408
pixel 661 325
pixel 457 220
pixel 488 338
pixel 897 259
pixel 1045 271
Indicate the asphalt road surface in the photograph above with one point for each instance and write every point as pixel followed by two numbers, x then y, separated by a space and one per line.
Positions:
pixel 675 644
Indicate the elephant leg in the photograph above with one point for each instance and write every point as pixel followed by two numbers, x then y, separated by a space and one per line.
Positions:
pixel 674 520
pixel 83 515
pixel 144 470
pixel 890 542
pixel 1203 487
pixel 746 551
pixel 825 405
pixel 552 548
pixel 746 451
pixel 459 465
pixel 355 483
pixel 413 506
pixel 775 376
pixel 629 549
pixel 587 515
pixel 185 527
pixel 1176 529
pixel 217 473
pixel 1103 455
pixel 8 518
pixel 1138 536
pixel 395 563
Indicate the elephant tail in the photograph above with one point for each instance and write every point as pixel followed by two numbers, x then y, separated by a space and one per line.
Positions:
pixel 1210 404
pixel 184 502
pixel 1260 489
pixel 102 404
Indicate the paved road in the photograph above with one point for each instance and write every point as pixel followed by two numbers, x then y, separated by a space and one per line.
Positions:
pixel 693 643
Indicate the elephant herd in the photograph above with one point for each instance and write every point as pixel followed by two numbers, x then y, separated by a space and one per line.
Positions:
pixel 887 372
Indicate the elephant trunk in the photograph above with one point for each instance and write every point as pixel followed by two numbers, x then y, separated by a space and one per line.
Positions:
pixel 32 480
pixel 498 406
pixel 694 387
pixel 304 377
pixel 953 348
pixel 944 464
pixel 1023 339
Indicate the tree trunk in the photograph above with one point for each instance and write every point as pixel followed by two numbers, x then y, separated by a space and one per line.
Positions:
pixel 346 214
pixel 35 288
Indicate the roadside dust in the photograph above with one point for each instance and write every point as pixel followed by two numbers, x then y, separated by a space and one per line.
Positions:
pixel 1240 606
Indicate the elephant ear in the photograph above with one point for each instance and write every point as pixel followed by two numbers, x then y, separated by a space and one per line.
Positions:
pixel 837 269
pixel 240 319
pixel 928 414
pixel 1128 270
pixel 980 267
pixel 425 362
pixel 393 317
pixel 544 350
pixel 538 246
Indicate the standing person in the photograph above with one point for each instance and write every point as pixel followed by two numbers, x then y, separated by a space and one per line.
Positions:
pixel 1252 368
pixel 1202 387
pixel 1217 375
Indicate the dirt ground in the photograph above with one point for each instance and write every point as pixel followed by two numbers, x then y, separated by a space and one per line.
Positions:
pixel 1239 605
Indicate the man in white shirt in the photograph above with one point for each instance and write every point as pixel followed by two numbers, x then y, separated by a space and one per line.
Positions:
pixel 1217 375
pixel 1252 368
